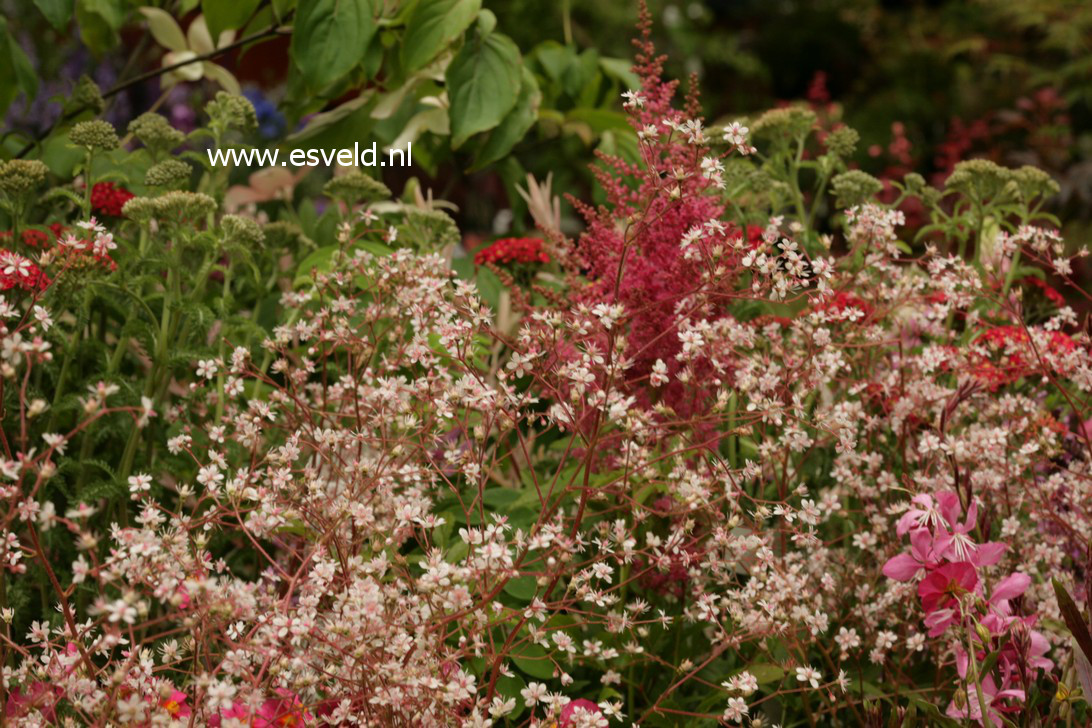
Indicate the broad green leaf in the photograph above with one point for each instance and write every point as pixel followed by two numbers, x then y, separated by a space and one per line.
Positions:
pixel 21 76
pixel 523 587
pixel 321 260
pixel 500 498
pixel 765 673
pixel 554 58
pixel 1073 619
pixel 489 287
pixel 221 15
pixel 165 29
pixel 432 26
pixel 598 120
pixel 99 22
pixel 487 21
pixel 533 661
pixel 281 8
pixel 330 38
pixel 338 127
pixel 515 124
pixel 622 70
pixel 483 83
pixel 57 12
pixel 510 687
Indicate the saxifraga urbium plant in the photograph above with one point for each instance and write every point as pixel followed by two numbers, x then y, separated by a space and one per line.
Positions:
pixel 707 463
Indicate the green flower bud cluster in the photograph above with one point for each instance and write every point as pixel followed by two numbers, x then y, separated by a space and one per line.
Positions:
pixel 430 229
pixel 155 132
pixel 87 96
pixel 20 177
pixel 281 234
pixel 1034 182
pixel 914 183
pixel 356 187
pixel 793 122
pixel 170 174
pixel 843 141
pixel 854 187
pixel 174 205
pixel 980 180
pixel 242 230
pixel 95 134
pixel 231 112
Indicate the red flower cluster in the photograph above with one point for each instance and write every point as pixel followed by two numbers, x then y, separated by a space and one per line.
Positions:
pixel 108 199
pixel 18 271
pixel 512 250
pixel 1018 358
pixel 1048 290
pixel 36 238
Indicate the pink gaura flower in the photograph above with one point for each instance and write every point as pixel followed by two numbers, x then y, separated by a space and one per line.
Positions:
pixel 940 592
pixel 926 551
pixel 927 513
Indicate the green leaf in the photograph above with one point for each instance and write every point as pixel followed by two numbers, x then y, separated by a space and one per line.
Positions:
pixel 281 8
pixel 321 260
pixel 523 587
pixel 21 76
pixel 533 661
pixel 99 22
pixel 165 29
pixel 510 688
pixel 339 127
pixel 1073 619
pixel 330 38
pixel 487 21
pixel 765 673
pixel 57 12
pixel 622 70
pixel 515 124
pixel 483 84
pixel 221 16
pixel 554 58
pixel 489 287
pixel 432 26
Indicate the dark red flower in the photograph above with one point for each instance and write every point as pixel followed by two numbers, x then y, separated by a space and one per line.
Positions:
pixel 1048 290
pixel 108 199
pixel 512 250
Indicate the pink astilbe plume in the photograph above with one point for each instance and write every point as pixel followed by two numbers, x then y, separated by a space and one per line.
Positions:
pixel 634 251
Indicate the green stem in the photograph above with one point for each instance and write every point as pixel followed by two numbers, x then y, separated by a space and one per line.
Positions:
pixel 59 391
pixel 87 185
pixel 983 707
pixel 223 317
